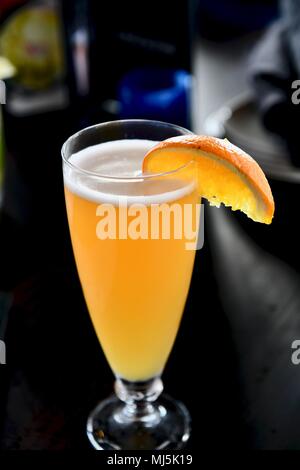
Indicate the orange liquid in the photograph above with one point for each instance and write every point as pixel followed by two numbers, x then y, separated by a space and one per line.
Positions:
pixel 135 290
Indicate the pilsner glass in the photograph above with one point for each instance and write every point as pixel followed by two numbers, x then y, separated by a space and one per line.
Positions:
pixel 135 270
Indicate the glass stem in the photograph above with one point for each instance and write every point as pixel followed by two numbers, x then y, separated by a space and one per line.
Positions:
pixel 139 398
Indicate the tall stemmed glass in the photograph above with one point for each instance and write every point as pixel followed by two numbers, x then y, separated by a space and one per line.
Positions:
pixel 135 278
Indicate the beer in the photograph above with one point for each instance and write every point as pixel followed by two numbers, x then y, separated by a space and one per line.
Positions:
pixel 135 288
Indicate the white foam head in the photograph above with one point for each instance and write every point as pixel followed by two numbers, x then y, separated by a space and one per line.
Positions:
pixel 117 169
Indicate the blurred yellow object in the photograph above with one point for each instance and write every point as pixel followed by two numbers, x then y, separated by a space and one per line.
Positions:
pixel 7 70
pixel 30 39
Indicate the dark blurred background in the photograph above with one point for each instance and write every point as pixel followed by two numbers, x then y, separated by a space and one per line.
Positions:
pixel 225 68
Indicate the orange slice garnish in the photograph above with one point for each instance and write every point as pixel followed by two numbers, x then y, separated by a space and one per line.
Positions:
pixel 225 173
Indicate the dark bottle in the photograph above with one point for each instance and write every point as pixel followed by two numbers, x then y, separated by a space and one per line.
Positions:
pixel 115 40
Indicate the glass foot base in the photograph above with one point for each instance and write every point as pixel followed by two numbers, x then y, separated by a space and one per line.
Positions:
pixel 165 425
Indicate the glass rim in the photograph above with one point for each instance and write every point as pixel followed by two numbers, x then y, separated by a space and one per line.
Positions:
pixel 95 174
